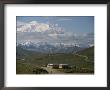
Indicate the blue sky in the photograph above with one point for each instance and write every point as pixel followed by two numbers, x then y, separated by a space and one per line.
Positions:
pixel 76 24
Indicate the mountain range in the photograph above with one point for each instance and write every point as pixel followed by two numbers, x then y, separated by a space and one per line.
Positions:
pixel 44 47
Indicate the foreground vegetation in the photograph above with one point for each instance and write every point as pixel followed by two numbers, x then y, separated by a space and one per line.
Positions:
pixel 81 62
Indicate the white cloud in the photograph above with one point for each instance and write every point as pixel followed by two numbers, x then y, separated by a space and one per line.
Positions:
pixel 32 26
pixel 64 19
pixel 33 22
pixel 35 26
pixel 20 24
pixel 53 36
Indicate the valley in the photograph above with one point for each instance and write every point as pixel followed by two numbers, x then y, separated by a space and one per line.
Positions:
pixel 29 62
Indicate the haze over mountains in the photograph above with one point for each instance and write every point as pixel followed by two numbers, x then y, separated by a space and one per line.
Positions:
pixel 52 37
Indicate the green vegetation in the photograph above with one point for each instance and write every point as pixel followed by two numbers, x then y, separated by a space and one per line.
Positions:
pixel 26 68
pixel 83 61
pixel 89 52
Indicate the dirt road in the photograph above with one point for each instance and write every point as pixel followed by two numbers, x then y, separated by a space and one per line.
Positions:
pixel 52 71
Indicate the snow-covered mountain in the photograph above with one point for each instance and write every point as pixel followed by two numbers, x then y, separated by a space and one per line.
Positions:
pixel 45 47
